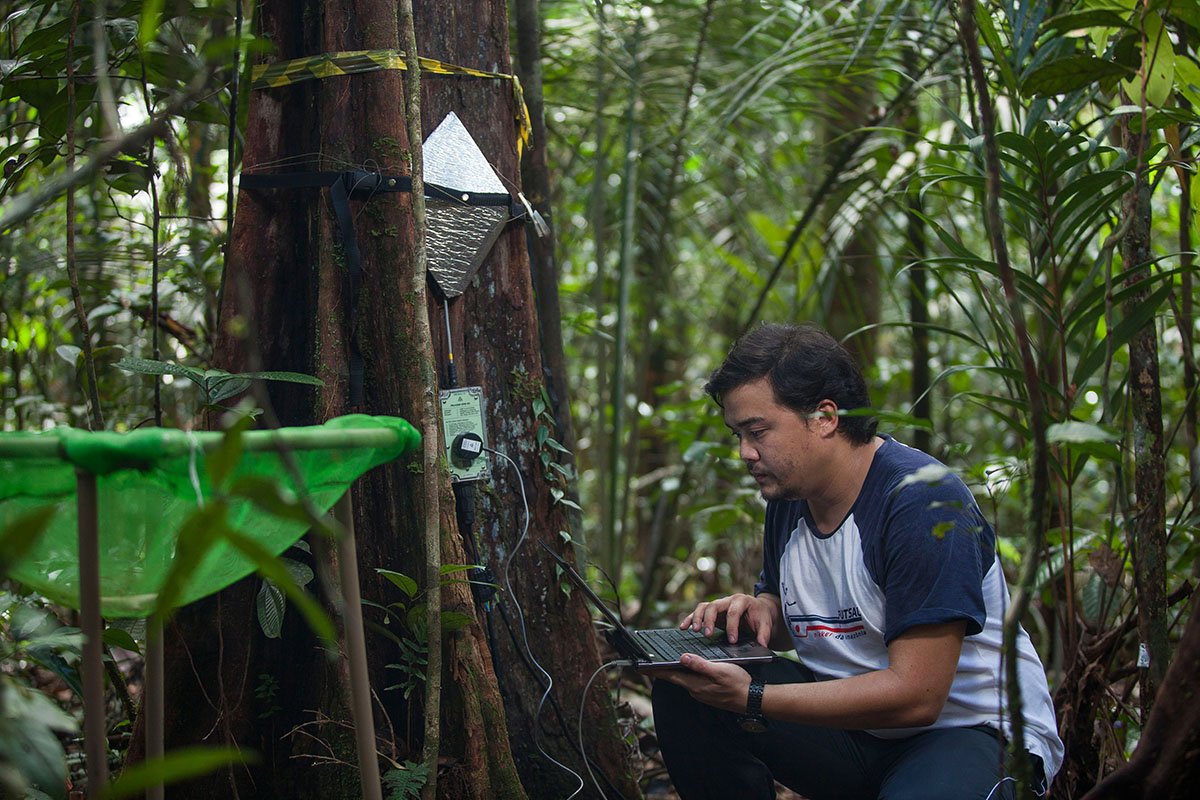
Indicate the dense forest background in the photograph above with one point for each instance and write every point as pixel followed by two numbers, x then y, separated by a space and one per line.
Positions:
pixel 990 203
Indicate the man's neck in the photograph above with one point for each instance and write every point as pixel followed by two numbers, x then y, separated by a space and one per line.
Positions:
pixel 847 474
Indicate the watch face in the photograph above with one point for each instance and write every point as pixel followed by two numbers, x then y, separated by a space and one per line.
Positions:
pixel 752 724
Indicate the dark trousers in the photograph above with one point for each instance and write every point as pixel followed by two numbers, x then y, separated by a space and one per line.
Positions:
pixel 709 756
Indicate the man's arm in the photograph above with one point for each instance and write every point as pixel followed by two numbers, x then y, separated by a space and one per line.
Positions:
pixel 909 692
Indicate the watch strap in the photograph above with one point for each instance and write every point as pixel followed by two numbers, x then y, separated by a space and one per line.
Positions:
pixel 754 697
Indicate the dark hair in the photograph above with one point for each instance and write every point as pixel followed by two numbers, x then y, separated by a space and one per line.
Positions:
pixel 805 366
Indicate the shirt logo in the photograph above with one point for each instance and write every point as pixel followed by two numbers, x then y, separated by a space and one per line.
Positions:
pixel 847 624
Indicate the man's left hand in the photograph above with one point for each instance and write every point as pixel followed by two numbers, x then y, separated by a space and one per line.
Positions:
pixel 724 686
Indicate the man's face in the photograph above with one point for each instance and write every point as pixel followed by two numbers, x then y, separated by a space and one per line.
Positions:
pixel 775 442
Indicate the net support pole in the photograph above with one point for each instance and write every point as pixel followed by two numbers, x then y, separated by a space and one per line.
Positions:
pixel 95 725
pixel 153 705
pixel 356 647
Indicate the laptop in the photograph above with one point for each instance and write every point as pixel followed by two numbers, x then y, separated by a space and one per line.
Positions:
pixel 660 648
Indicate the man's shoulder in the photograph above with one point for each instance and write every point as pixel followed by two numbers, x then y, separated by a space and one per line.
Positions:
pixel 899 467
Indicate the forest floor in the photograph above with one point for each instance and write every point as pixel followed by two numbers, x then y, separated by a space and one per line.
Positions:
pixel 634 710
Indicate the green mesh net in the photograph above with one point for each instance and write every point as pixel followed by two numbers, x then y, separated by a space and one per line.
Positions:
pixel 150 481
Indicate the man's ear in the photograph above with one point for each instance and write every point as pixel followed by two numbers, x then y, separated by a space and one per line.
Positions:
pixel 826 417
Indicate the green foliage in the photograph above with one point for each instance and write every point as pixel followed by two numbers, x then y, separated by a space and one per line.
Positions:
pixel 405 782
pixel 208 524
pixel 216 384
pixel 404 625
pixel 174 767
pixel 762 126
pixel 267 695
pixel 31 753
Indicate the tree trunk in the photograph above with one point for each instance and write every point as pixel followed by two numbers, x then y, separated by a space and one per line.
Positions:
pixel 916 249
pixel 1148 527
pixel 535 177
pixel 286 308
pixel 853 297
pixel 500 352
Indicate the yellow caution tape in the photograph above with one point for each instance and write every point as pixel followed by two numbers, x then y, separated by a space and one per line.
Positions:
pixel 328 65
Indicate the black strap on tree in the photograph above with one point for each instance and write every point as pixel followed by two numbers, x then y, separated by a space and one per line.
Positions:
pixel 362 185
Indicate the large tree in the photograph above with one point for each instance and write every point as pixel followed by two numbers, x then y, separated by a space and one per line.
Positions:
pixel 288 304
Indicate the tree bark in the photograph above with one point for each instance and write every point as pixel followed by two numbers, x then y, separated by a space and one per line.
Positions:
pixel 1148 526
pixel 1166 764
pixel 500 351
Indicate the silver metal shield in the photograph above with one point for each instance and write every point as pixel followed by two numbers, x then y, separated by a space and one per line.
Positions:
pixel 459 236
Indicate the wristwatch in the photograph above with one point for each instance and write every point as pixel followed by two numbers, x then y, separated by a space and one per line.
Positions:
pixel 753 720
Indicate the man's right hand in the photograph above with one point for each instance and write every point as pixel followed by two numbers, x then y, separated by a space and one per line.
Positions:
pixel 759 615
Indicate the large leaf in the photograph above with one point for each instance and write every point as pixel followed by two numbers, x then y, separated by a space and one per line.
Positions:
pixel 1085 437
pixel 1157 73
pixel 1138 318
pixel 1071 73
pixel 174 767
pixel 146 366
pixel 1114 17
pixel 401 581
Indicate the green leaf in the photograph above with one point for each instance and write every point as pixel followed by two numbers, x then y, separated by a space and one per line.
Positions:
pixel 288 377
pixel 1089 18
pixel 455 621
pixel 22 534
pixel 221 461
pixel 178 765
pixel 1142 314
pixel 34 708
pixel 401 581
pixel 69 353
pixel 450 569
pixel 927 475
pixel 148 28
pixel 1075 432
pixel 146 366
pixel 559 496
pixel 224 388
pixel 1157 68
pixel 199 532
pixel 554 444
pixel 269 495
pixel 983 21
pixel 1093 597
pixel 1085 437
pixel 406 782
pixel 301 573
pixel 64 639
pixel 1071 73
pixel 119 637
pixel 270 606
pixel 270 567
pixel 32 755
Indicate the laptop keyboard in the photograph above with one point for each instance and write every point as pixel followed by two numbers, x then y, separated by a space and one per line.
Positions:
pixel 670 643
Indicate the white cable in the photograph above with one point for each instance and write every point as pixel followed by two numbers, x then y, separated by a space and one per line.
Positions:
pixel 525 632
pixel 999 783
pixel 620 662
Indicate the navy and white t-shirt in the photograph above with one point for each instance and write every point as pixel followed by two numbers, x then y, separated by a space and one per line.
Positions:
pixel 914 550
